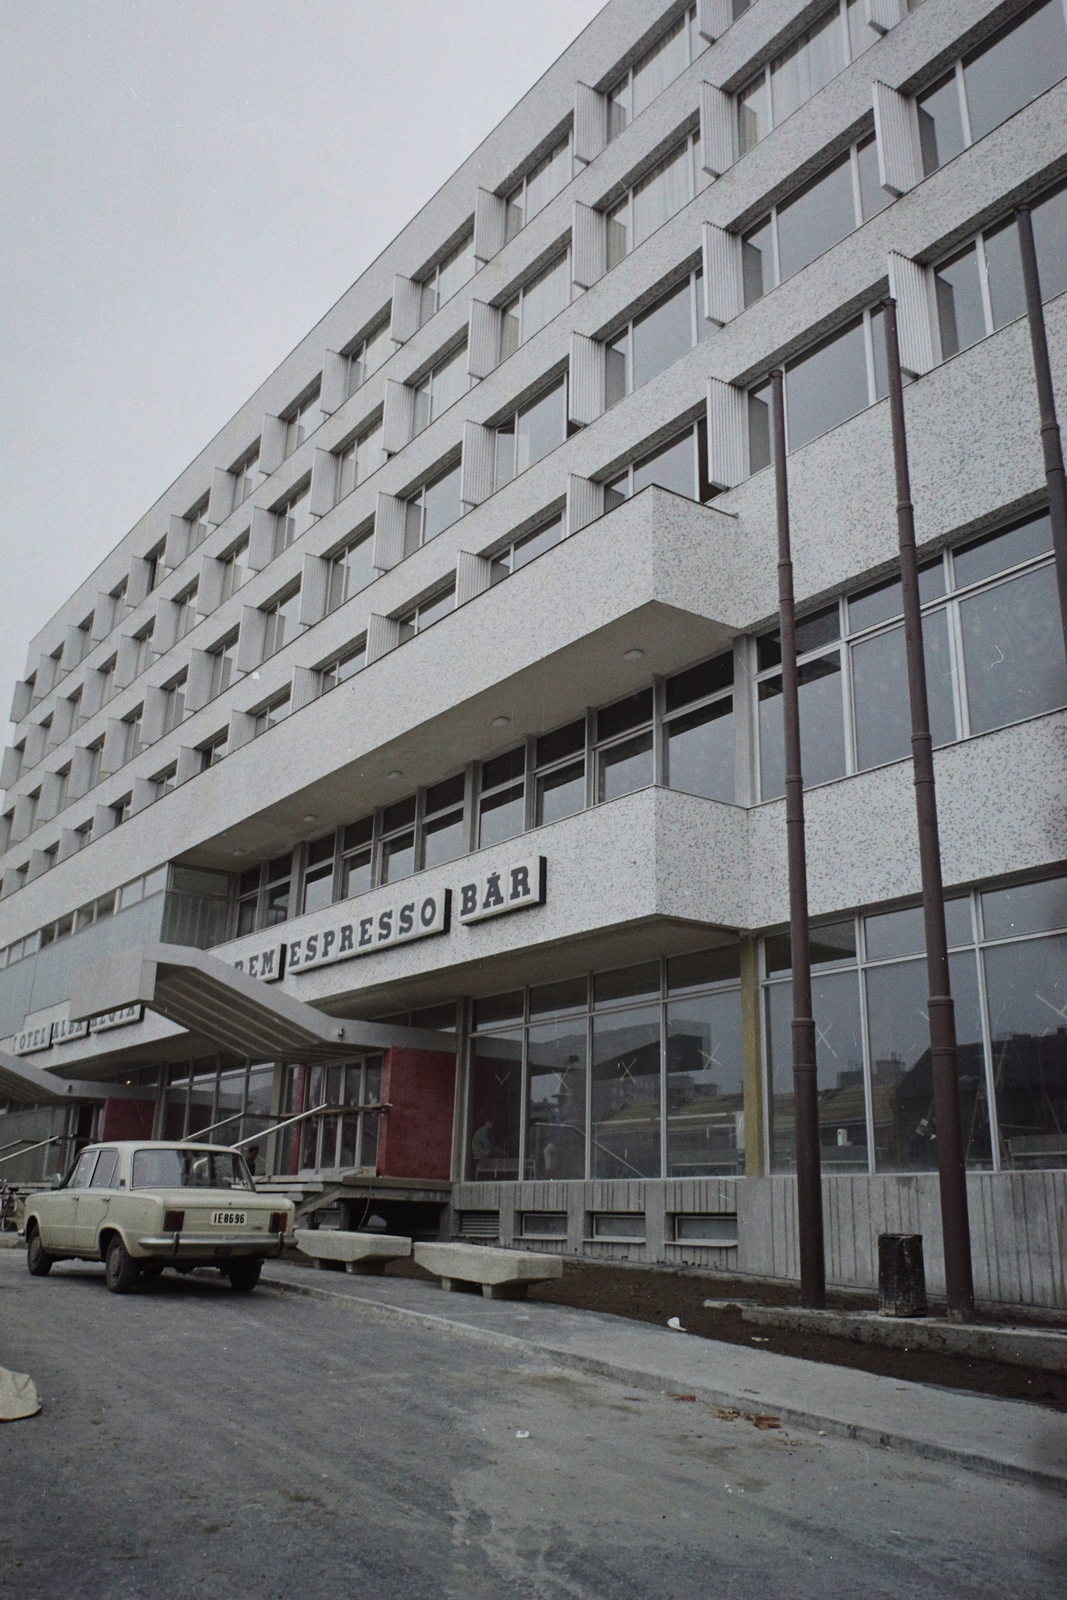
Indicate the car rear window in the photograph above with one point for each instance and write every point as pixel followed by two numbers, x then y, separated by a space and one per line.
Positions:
pixel 189 1169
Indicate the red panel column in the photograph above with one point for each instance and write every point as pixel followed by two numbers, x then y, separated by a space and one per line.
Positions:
pixel 127 1119
pixel 416 1138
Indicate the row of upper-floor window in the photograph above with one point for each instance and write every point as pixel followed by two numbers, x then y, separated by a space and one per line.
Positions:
pixel 976 291
pixel 994 657
pixel 650 202
pixel 823 387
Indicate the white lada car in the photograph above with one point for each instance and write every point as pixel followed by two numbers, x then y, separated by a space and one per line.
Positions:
pixel 140 1207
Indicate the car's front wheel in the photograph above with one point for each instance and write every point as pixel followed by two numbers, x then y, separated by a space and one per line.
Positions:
pixel 120 1270
pixel 244 1274
pixel 38 1259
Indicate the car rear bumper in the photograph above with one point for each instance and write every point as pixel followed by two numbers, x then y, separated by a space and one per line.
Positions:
pixel 208 1246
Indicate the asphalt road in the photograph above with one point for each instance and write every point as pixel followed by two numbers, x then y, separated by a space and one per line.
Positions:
pixel 198 1443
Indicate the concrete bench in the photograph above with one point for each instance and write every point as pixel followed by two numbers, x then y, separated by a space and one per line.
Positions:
pixel 360 1252
pixel 502 1274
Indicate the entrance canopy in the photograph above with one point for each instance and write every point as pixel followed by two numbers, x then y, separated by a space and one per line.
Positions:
pixel 238 1013
pixel 31 1087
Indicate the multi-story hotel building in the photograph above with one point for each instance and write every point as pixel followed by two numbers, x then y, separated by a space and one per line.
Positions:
pixel 420 749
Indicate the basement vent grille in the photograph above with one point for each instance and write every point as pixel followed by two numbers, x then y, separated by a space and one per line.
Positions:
pixel 479 1224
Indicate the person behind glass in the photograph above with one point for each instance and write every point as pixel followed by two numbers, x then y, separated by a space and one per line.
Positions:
pixel 482 1147
pixel 252 1158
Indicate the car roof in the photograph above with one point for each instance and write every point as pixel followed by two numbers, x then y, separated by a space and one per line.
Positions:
pixel 155 1144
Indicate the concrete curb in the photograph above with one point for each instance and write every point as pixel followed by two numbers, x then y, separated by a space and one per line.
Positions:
pixel 644 1378
pixel 1036 1348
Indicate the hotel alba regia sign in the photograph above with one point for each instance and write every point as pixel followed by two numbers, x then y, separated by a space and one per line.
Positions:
pixel 408 917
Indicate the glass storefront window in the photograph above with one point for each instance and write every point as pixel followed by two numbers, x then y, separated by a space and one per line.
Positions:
pixel 626 1094
pixel 555 1103
pixel 496 1102
pixel 705 1102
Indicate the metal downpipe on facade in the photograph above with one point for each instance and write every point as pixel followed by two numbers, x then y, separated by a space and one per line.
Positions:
pixel 952 1174
pixel 805 1080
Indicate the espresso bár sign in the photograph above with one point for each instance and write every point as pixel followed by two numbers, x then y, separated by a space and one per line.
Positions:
pixel 492 894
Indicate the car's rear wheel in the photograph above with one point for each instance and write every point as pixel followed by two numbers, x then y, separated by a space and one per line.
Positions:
pixel 38 1259
pixel 244 1274
pixel 120 1270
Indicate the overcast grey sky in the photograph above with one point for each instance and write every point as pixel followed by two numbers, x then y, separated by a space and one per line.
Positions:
pixel 186 186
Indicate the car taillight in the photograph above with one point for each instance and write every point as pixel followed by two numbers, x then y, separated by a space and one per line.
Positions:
pixel 279 1222
pixel 173 1221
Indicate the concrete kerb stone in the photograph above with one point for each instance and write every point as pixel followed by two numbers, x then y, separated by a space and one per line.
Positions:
pixel 1037 1348
pixel 1052 1477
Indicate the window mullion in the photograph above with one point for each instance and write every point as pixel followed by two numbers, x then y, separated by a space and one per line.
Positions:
pixel 868 1070
pixel 983 283
pixel 959 685
pixel 965 115
pixel 848 707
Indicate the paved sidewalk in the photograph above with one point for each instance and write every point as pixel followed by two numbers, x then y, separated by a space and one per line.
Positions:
pixel 1009 1438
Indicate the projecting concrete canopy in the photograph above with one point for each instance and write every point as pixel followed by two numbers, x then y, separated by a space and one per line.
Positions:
pixel 27 1084
pixel 238 1013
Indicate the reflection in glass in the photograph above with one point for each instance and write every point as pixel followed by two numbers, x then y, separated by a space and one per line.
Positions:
pixel 626 1091
pixel 940 123
pixel 1005 75
pixel 700 751
pixel 496 1074
pixel 880 692
pixel 822 731
pixel 839 1066
pixel 1026 985
pixel 827 386
pixel 902 1084
pixel 960 314
pixel 1013 651
pixel 624 767
pixel 816 218
pixel 705 1103
pixel 662 335
pixel 555 1107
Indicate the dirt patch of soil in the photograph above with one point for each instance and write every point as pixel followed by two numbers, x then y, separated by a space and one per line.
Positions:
pixel 654 1295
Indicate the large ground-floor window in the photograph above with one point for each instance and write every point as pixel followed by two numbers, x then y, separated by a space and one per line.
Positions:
pixel 342 1134
pixel 634 1073
pixel 225 1105
pixel 1008 971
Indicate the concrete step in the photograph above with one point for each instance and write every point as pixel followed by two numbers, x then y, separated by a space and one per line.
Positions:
pixel 1040 1348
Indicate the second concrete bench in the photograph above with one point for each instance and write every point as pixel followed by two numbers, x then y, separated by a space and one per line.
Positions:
pixel 360 1252
pixel 502 1274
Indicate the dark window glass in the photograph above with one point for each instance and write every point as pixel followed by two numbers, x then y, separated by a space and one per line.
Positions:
pixel 561 742
pixel 277 904
pixel 759 428
pixel 357 874
pixel 662 335
pixel 822 732
pixel 570 995
pixel 626 1094
pixel 398 857
pixel 555 1107
pixel 628 713
pixel 839 1067
pixel 940 123
pixel 449 793
pixel 999 551
pixel 625 767
pixel 880 692
pixel 873 198
pixel 442 505
pixel 827 386
pixel 443 839
pixel 875 605
pixel 561 793
pixel 281 867
pixel 700 752
pixel 1050 242
pixel 320 850
pixel 536 544
pixel 757 262
pixel 502 815
pixel 1010 71
pixel 671 467
pixel 705 1101
pixel 1025 908
pixel 497 1009
pixel 626 983
pixel 503 768
pixel 1013 650
pixel 707 678
pixel 496 1102
pixel 812 221
pixel 816 629
pixel 398 815
pixel 1027 991
pixel 1004 272
pixel 701 967
pixel 359 833
pixel 902 1091
pixel 248 882
pixel 960 315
